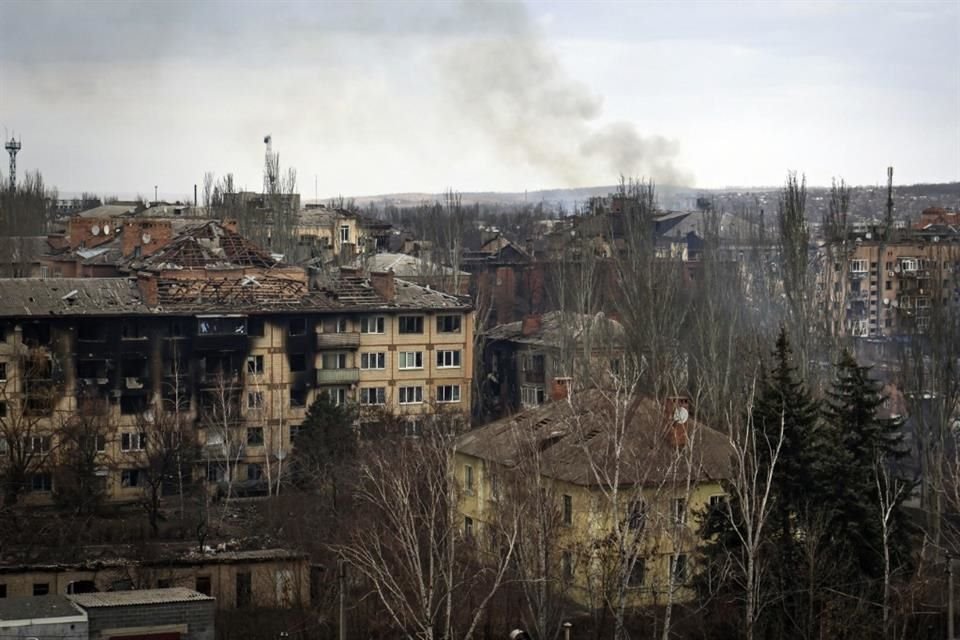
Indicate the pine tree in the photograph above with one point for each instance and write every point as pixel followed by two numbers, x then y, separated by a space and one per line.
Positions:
pixel 861 439
pixel 325 443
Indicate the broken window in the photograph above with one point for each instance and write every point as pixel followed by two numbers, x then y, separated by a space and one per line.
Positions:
pixel 254 471
pixel 255 436
pixel 297 326
pixel 202 585
pixel 254 399
pixel 222 326
pixel 411 324
pixel 131 405
pixel 41 588
pixel 3 371
pixel 91 330
pixel 130 329
pixel 255 364
pixel 298 397
pixel 255 326
pixel 130 478
pixel 244 589
pixel 448 323
pixel 298 362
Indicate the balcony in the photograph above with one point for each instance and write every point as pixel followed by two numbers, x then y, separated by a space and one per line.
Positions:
pixel 338 376
pixel 349 340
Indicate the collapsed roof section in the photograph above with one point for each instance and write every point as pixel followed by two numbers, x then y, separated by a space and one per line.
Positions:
pixel 212 245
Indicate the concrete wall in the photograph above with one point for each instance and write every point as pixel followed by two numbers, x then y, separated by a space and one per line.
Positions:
pixel 39 629
pixel 193 620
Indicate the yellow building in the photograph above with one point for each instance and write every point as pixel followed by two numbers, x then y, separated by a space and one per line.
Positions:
pixel 624 480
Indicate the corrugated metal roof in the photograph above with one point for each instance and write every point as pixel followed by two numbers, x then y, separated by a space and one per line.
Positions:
pixel 145 596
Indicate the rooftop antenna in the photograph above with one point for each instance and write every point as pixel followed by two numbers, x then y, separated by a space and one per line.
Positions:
pixel 271 166
pixel 12 148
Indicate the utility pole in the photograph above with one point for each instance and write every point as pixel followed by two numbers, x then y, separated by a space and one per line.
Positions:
pixel 950 635
pixel 341 582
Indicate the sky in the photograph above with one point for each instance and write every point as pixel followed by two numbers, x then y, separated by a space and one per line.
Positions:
pixel 365 98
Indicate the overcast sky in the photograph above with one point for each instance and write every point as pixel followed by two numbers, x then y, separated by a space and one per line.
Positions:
pixel 377 97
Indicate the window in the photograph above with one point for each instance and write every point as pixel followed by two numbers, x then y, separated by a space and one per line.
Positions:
pixel 255 365
pixel 373 395
pixel 717 502
pixel 343 326
pixel 448 393
pixel 255 327
pixel 130 478
pixel 255 436
pixel 468 478
pixel 448 324
pixel 41 588
pixel 411 324
pixel 411 395
pixel 255 399
pixel 298 397
pixel 163 583
pixel 298 362
pixel 337 396
pixel 254 471
pixel 372 324
pixel 412 428
pixel 637 515
pixel 203 585
pixel 468 528
pixel 96 443
pixel 858 266
pixel 215 472
pixel 566 564
pixel 532 396
pixel 3 408
pixel 344 233
pixel 222 326
pixel 679 510
pixel 244 589
pixel 297 327
pixel 448 359
pixel 567 510
pixel 38 444
pixel 130 329
pixel 334 361
pixel 376 360
pixel 3 591
pixel 638 572
pixel 41 482
pixel 678 568
pixel 133 441
pixel 411 360
pixel 3 371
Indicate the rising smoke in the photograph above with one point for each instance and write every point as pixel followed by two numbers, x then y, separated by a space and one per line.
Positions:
pixel 502 77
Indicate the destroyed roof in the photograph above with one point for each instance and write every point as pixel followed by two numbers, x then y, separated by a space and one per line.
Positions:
pixel 322 216
pixel 210 245
pixel 261 292
pixel 405 266
pixel 20 297
pixel 39 608
pixel 552 326
pixel 140 597
pixel 568 434
pixel 100 557
pixel 341 289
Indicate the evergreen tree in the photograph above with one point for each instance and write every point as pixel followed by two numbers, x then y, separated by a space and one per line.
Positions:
pixel 325 445
pixel 861 439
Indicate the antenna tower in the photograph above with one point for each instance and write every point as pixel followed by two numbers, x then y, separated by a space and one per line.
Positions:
pixel 888 222
pixel 271 167
pixel 12 148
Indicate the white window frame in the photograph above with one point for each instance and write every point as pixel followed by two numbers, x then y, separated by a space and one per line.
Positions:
pixel 378 358
pixel 404 357
pixel 344 234
pixel 380 396
pixel 133 441
pixel 449 358
pixel 454 393
pixel 410 395
pixel 532 395
pixel 379 324
pixel 255 399
pixel 859 265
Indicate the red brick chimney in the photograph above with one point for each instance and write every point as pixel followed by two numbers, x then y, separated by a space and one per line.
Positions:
pixel 148 289
pixel 383 283
pixel 531 324
pixel 560 388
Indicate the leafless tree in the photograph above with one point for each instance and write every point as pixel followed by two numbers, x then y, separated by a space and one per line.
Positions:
pixel 410 546
pixel 795 269
pixel 82 457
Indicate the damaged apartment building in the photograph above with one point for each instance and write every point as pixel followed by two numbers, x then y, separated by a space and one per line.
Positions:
pixel 216 336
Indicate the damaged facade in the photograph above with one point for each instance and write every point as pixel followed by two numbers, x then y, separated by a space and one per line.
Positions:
pixel 215 337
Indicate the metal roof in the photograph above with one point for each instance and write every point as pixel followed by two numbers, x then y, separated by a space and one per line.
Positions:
pixel 69 297
pixel 142 597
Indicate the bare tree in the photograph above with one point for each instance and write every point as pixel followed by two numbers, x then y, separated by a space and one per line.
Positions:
pixel 410 546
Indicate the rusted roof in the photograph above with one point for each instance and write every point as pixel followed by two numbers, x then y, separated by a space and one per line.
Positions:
pixel 69 296
pixel 575 436
pixel 142 597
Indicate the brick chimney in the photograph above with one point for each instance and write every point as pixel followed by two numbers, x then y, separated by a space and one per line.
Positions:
pixel 148 289
pixel 383 283
pixel 560 388
pixel 531 324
